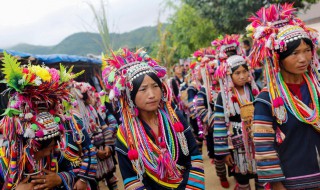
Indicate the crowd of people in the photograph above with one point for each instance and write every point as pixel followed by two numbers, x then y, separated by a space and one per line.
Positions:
pixel 255 108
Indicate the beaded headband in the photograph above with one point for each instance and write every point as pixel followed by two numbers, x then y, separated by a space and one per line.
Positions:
pixel 236 60
pixel 289 34
pixel 44 127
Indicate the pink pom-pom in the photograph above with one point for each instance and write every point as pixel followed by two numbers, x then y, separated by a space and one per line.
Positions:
pixel 281 103
pixel 275 103
pixel 102 93
pixel 255 92
pixel 136 112
pixel 61 128
pixel 178 127
pixel 278 102
pixel 133 154
pixel 75 103
pixel 40 133
pixel 160 74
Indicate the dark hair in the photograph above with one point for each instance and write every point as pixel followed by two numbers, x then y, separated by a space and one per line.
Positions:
pixel 175 66
pixel 291 46
pixel 231 52
pixel 246 42
pixel 136 83
pixel 44 143
pixel 245 66
pixel 85 96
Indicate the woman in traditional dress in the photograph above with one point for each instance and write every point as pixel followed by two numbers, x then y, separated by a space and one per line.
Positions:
pixel 100 134
pixel 30 151
pixel 286 117
pixel 156 148
pixel 233 113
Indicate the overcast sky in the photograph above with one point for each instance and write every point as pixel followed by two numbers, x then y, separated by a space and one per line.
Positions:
pixel 47 22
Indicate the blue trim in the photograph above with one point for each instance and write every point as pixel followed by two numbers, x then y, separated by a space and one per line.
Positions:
pixel 55 58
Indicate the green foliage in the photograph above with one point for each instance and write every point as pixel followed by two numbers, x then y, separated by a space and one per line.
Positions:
pixel 67 75
pixel 230 16
pixel 11 112
pixel 12 71
pixel 189 31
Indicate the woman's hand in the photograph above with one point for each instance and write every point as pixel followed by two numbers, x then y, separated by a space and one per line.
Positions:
pixel 107 149
pixel 24 185
pixel 80 185
pixel 48 181
pixel 229 160
pixel 101 154
pixel 278 186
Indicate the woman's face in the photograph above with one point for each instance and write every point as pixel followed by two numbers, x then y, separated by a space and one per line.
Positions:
pixel 148 96
pixel 298 61
pixel 199 76
pixel 240 76
pixel 91 98
pixel 45 151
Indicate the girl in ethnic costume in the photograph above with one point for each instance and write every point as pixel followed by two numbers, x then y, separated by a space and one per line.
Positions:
pixel 107 116
pixel 100 134
pixel 156 148
pixel 234 111
pixel 204 103
pixel 286 117
pixel 30 154
pixel 192 90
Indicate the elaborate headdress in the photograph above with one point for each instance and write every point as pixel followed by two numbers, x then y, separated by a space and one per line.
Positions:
pixel 224 71
pixel 206 58
pixel 272 29
pixel 32 88
pixel 123 67
pixel 227 43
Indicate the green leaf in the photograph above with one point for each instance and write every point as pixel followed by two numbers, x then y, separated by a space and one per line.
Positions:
pixel 12 71
pixel 11 111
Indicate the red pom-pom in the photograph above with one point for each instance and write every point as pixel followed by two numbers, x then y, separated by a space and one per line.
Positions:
pixel 52 112
pixel 25 70
pixel 40 133
pixel 33 118
pixel 133 154
pixel 178 127
pixel 255 92
pixel 163 145
pixel 234 99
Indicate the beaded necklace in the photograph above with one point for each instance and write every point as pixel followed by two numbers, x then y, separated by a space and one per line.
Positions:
pixel 150 150
pixel 301 111
pixel 247 95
